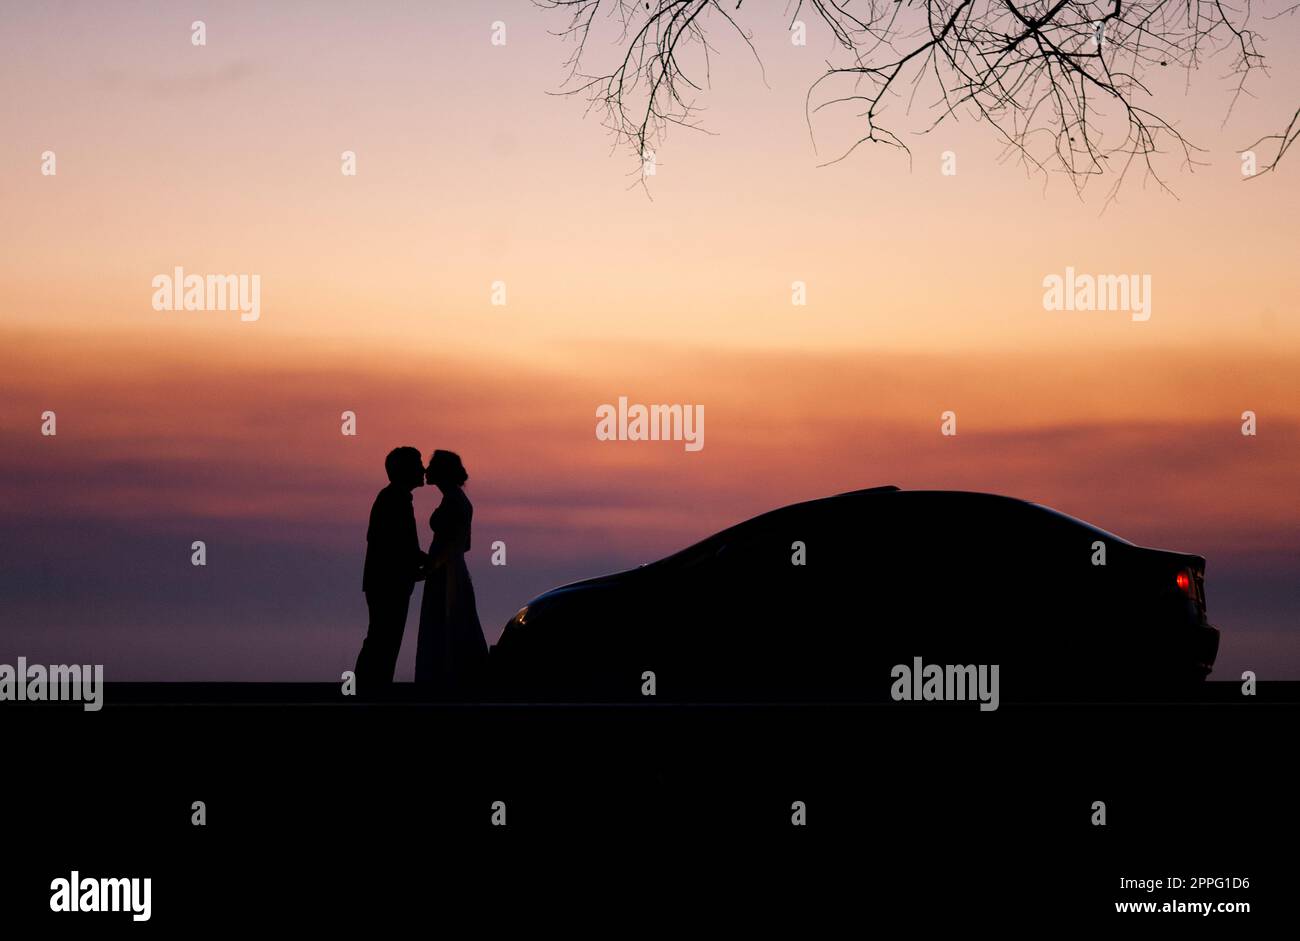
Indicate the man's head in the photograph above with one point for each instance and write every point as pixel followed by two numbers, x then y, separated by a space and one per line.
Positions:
pixel 405 467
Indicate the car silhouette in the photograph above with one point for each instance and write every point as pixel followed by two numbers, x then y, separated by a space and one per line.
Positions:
pixel 819 600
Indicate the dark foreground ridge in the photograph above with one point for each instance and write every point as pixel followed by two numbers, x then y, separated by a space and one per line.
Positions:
pixel 1219 692
pixel 318 806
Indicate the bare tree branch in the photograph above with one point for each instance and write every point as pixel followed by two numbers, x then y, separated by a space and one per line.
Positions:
pixel 1066 85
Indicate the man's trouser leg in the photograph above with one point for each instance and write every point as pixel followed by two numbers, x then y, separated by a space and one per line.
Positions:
pixel 378 658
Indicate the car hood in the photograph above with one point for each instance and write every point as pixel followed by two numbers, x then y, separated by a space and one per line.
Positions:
pixel 585 585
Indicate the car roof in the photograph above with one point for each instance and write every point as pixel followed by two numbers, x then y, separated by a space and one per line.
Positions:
pixel 891 492
pixel 887 492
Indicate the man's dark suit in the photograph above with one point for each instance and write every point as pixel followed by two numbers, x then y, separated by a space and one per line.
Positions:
pixel 393 560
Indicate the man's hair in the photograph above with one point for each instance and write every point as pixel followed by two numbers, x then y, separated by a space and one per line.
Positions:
pixel 400 457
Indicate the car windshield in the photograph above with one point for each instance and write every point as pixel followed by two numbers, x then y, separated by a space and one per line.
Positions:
pixel 709 547
pixel 700 551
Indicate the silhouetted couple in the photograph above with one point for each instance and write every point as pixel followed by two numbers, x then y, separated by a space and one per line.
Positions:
pixel 450 652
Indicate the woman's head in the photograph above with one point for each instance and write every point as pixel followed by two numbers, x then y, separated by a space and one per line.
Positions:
pixel 446 470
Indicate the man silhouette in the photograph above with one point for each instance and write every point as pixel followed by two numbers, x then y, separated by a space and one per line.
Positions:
pixel 393 564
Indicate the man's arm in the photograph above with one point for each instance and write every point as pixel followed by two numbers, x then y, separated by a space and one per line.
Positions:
pixel 411 552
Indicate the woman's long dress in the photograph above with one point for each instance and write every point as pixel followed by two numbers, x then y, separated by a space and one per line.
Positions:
pixel 450 653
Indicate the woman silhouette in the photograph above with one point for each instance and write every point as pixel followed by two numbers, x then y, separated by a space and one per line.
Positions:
pixel 450 653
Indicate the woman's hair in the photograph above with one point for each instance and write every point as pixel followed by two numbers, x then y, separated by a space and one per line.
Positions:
pixel 446 466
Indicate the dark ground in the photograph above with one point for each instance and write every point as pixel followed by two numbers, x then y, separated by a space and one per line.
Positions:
pixel 323 806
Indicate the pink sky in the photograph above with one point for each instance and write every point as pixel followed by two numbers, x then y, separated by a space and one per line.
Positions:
pixel 924 295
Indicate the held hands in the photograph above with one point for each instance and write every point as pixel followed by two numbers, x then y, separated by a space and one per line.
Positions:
pixel 431 562
pixel 438 557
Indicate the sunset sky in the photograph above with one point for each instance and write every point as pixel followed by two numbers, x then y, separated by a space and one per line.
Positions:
pixel 924 295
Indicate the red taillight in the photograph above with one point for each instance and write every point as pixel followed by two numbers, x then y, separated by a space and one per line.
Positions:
pixel 1184 582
